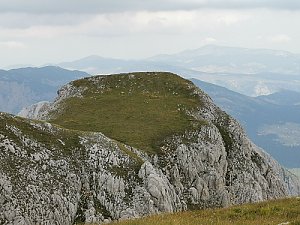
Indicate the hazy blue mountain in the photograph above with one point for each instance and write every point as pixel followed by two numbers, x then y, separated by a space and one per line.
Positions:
pixel 95 64
pixel 273 125
pixel 17 66
pixel 284 97
pixel 25 86
pixel 212 58
pixel 252 72
pixel 100 65
pixel 253 84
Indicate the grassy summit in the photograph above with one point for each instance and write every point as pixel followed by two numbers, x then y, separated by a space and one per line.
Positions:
pixel 139 109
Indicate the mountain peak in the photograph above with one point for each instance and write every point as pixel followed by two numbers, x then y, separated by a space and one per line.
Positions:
pixel 130 145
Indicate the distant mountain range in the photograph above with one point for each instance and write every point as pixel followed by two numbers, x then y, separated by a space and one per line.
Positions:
pixel 208 59
pixel 219 59
pixel 25 86
pixel 271 121
pixel 251 72
pixel 284 97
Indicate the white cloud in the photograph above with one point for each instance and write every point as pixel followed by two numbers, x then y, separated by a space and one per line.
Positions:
pixel 135 28
pixel 26 20
pixel 280 38
pixel 36 32
pixel 131 23
pixel 162 22
pixel 12 45
pixel 209 40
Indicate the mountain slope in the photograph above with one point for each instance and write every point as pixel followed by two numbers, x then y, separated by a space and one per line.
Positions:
pixel 259 115
pixel 50 173
pixel 25 86
pixel 45 174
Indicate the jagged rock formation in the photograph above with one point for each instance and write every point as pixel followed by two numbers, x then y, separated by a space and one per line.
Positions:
pixel 52 175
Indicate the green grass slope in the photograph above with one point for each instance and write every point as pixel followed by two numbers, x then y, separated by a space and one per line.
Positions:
pixel 139 109
pixel 284 211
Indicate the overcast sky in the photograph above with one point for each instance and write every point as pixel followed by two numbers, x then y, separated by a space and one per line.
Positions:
pixel 42 31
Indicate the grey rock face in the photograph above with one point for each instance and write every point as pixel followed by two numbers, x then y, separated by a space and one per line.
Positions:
pixel 49 175
pixel 37 186
pixel 34 111
pixel 41 109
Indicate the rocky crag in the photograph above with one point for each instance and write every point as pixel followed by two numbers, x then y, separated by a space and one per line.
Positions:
pixel 53 175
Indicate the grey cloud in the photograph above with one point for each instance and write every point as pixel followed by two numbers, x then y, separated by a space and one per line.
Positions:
pixel 25 20
pixel 109 6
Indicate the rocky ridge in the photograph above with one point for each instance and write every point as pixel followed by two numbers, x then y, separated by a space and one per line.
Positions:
pixel 52 175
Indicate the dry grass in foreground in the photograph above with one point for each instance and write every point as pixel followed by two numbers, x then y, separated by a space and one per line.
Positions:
pixel 283 211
